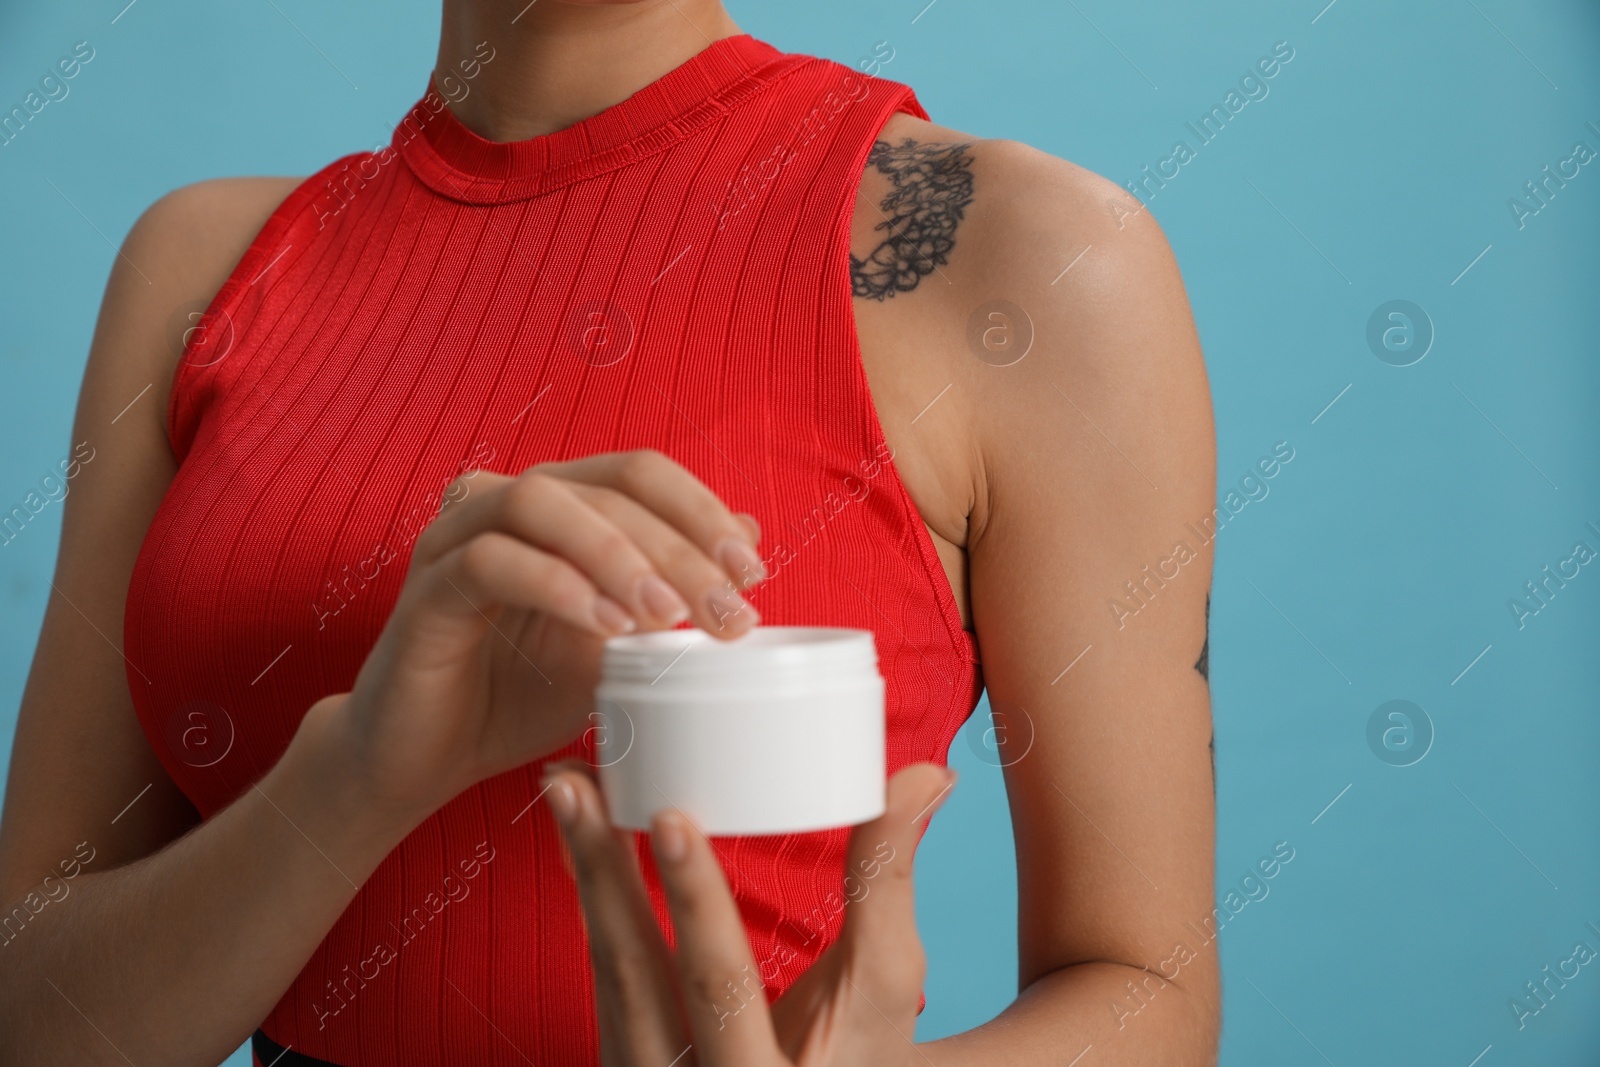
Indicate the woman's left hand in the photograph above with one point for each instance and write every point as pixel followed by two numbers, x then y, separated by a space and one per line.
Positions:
pixel 704 1004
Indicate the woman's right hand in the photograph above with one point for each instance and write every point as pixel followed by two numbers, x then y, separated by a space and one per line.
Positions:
pixel 491 655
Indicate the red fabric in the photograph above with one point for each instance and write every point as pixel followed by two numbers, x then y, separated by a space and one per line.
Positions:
pixel 671 273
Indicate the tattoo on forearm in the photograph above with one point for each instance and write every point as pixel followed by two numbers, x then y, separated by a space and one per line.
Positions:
pixel 1203 665
pixel 932 188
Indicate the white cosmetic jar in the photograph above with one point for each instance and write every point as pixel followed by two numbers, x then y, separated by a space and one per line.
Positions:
pixel 778 731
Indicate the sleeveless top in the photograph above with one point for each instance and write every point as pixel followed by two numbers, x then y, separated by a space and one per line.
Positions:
pixel 671 273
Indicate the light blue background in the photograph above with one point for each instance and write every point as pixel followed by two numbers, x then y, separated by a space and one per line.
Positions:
pixel 1414 508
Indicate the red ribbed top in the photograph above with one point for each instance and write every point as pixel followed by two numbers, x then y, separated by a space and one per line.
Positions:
pixel 672 273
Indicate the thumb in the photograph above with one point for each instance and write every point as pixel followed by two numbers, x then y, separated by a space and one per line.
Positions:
pixel 880 922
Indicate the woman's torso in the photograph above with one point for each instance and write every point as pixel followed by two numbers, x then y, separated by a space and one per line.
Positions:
pixel 671 274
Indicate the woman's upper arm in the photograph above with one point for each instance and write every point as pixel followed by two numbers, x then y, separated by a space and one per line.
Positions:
pixel 79 756
pixel 1098 471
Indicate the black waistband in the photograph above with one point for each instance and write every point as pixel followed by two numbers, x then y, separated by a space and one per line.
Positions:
pixel 272 1054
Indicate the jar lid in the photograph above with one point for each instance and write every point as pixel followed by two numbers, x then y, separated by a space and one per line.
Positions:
pixel 774 653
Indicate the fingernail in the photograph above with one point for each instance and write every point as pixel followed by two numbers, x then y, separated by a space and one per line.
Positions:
pixel 662 601
pixel 731 611
pixel 611 617
pixel 563 801
pixel 741 562
pixel 750 520
pixel 670 844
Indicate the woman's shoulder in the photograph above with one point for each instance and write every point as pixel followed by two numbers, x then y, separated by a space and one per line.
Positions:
pixel 1052 237
pixel 170 266
pixel 997 218
pixel 179 253
pixel 1028 262
pixel 194 235
pixel 1019 192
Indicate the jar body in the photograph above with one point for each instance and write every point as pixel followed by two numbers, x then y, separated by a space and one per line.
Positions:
pixel 782 735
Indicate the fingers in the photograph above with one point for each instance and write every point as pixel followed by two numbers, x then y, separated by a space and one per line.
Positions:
pixel 548 514
pixel 682 503
pixel 723 995
pixel 678 497
pixel 635 997
pixel 496 569
pixel 653 543
pixel 714 603
pixel 880 922
pixel 751 525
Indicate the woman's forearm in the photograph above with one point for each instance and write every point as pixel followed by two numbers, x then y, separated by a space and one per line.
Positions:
pixel 176 958
pixel 1126 1015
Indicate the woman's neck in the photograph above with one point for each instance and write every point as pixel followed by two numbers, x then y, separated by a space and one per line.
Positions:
pixel 557 63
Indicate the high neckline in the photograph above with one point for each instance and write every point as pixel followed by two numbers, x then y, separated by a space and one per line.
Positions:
pixel 455 162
